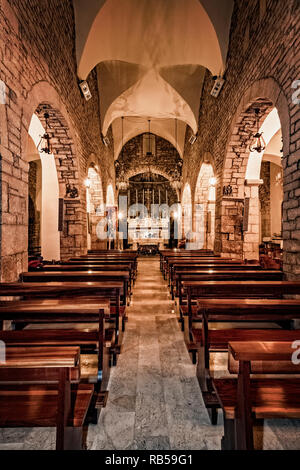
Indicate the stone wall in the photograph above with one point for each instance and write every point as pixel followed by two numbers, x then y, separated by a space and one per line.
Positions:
pixel 132 161
pixel 261 66
pixel 38 67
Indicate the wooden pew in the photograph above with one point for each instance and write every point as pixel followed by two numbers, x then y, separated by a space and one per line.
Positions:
pixel 36 390
pixel 235 284
pixel 80 276
pixel 105 289
pixel 90 268
pixel 181 272
pixel 99 341
pixel 235 290
pixel 176 264
pixel 248 398
pixel 169 261
pixel 207 340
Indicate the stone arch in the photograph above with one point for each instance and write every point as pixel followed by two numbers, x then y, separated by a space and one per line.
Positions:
pixel 204 206
pixel 44 98
pixel 95 204
pixel 266 95
pixel 186 203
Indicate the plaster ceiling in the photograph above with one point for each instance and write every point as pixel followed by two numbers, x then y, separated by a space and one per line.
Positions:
pixel 151 56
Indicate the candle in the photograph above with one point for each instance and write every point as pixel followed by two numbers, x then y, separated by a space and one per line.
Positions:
pixel 136 196
pixel 153 196
pixel 159 196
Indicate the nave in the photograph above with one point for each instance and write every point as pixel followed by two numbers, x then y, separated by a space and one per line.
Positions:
pixel 154 401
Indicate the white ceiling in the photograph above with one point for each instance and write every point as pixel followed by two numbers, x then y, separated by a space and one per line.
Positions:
pixel 151 57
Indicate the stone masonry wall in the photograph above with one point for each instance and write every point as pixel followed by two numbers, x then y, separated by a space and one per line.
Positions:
pixel 269 54
pixel 38 66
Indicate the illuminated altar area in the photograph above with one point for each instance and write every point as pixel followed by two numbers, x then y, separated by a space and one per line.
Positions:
pixel 148 231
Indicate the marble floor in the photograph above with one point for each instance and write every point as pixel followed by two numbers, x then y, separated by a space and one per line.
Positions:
pixel 154 398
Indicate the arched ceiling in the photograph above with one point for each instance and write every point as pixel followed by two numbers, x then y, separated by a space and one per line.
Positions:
pixel 151 56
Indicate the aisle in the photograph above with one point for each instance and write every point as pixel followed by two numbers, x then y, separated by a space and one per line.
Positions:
pixel 154 398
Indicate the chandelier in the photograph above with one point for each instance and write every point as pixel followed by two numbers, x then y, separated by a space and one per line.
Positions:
pixel 44 145
pixel 258 144
pixel 176 182
pixel 122 183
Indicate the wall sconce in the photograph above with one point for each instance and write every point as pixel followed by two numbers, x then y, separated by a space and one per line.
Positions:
pixel 44 145
pixel 258 143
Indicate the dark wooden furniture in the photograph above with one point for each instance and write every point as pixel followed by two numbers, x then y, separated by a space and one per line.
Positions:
pixel 39 387
pixel 249 398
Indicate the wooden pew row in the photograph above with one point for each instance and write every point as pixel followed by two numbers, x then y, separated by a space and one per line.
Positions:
pixel 105 289
pixel 197 290
pixel 183 272
pixel 238 311
pixel 176 264
pixel 108 258
pixel 190 288
pixel 169 261
pixel 96 342
pixel 40 387
pixel 165 256
pixel 247 398
pixel 90 267
pixel 80 276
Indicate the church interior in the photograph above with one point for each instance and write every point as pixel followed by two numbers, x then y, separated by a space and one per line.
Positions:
pixel 150 225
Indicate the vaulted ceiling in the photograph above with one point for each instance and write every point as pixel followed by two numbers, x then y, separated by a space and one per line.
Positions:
pixel 151 57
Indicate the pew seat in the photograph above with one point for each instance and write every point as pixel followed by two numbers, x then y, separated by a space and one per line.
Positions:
pixel 36 405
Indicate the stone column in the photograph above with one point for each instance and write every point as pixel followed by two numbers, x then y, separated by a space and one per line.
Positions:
pixel 251 236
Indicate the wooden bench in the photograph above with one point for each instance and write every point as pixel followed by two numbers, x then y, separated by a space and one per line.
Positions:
pixel 184 272
pixel 249 285
pixel 80 276
pixel 89 268
pixel 169 261
pixel 176 264
pixel 248 398
pixel 105 289
pixel 36 390
pixel 206 340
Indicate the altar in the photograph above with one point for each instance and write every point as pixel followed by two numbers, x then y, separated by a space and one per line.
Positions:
pixel 148 231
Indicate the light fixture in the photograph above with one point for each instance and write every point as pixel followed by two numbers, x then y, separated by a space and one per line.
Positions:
pixel 85 90
pixel 44 145
pixel 218 85
pixel 120 216
pixel 122 183
pixel 149 153
pixel 176 182
pixel 258 144
pixel 212 181
pixel 193 139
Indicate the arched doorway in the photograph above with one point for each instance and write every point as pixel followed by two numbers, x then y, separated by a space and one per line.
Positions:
pixel 95 207
pixel 187 223
pixel 205 202
pixel 43 233
pixel 240 231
